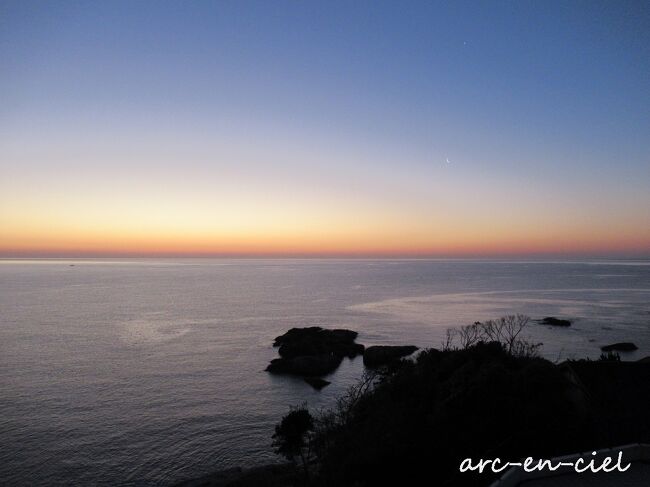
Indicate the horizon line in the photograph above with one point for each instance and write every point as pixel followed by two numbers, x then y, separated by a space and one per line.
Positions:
pixel 331 256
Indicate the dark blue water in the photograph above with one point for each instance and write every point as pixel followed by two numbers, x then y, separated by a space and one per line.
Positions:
pixel 150 372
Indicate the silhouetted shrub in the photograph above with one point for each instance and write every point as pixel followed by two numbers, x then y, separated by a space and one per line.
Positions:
pixel 610 357
pixel 506 330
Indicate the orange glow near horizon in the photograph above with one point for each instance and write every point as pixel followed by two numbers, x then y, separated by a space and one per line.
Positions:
pixel 324 235
pixel 73 210
pixel 84 224
pixel 312 131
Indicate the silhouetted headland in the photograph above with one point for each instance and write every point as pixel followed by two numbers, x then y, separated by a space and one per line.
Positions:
pixel 486 393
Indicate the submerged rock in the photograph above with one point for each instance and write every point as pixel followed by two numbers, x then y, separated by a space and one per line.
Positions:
pixel 553 321
pixel 620 347
pixel 316 382
pixel 384 354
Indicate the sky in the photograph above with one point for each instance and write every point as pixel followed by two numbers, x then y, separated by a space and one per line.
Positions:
pixel 443 129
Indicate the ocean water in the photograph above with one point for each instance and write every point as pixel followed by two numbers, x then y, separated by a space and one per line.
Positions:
pixel 148 372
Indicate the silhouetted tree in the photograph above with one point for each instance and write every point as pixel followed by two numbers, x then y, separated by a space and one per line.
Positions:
pixel 292 436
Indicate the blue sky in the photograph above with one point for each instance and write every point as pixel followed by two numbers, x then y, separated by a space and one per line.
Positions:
pixel 547 100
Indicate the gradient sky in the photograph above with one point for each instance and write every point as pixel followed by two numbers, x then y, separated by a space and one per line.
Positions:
pixel 304 128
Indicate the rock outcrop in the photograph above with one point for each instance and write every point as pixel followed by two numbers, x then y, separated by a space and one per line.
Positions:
pixel 313 352
pixel 305 365
pixel 620 347
pixel 553 321
pixel 317 341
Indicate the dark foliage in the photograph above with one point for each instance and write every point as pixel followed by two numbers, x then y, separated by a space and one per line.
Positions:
pixel 292 438
pixel 380 355
pixel 480 402
pixel 610 357
pixel 506 331
pixel 492 396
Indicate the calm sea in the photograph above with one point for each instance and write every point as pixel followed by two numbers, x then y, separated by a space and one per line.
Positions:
pixel 148 372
